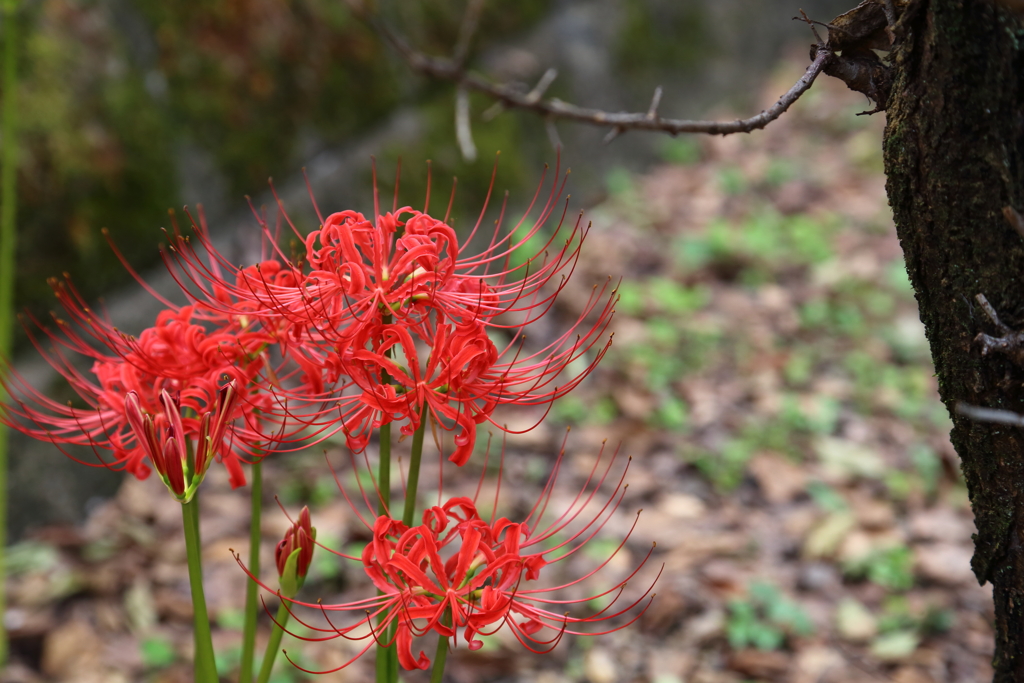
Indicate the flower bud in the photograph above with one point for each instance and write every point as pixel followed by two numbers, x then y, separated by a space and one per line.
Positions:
pixel 294 553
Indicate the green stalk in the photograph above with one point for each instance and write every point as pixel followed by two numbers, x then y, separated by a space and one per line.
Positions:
pixel 384 470
pixel 387 657
pixel 251 589
pixel 275 643
pixel 205 667
pixel 414 469
pixel 440 657
pixel 8 213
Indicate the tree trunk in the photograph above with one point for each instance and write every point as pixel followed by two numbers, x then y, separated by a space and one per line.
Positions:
pixel 954 156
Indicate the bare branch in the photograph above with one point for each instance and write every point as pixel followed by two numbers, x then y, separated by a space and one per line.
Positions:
pixel 514 98
pixel 979 414
pixel 991 313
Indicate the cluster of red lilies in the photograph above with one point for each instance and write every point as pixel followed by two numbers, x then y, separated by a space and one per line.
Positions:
pixel 379 322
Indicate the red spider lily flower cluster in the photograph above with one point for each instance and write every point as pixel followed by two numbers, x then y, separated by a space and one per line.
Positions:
pixel 388 320
pixel 458 573
pixel 381 321
pixel 196 376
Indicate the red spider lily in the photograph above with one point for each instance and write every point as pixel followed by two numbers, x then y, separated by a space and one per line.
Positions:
pixel 177 356
pixel 461 380
pixel 362 272
pixel 368 290
pixel 294 553
pixel 459 573
pixel 372 288
pixel 167 443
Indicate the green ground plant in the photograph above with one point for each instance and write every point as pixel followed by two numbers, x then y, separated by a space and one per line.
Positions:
pixel 765 619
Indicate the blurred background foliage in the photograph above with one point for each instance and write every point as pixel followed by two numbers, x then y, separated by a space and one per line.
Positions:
pixel 115 93
pixel 131 108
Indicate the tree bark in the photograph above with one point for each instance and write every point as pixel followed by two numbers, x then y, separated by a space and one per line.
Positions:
pixel 954 156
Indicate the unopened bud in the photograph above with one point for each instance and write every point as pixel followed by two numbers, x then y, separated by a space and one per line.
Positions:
pixel 294 553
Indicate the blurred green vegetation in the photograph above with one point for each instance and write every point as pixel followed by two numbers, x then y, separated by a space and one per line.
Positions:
pixel 837 342
pixel 114 95
pixel 672 35
pixel 765 619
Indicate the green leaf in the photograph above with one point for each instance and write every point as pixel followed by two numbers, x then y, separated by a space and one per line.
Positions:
pixel 289 581
pixel 157 652
pixel 765 637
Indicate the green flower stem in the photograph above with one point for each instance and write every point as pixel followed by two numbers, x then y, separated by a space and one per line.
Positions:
pixel 440 657
pixel 414 470
pixel 384 470
pixel 205 668
pixel 8 213
pixel 387 657
pixel 251 589
pixel 384 458
pixel 281 620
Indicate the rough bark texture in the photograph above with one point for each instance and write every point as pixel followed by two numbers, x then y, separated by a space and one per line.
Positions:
pixel 954 154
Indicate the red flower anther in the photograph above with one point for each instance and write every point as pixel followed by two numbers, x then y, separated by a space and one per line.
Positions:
pixel 165 440
pixel 168 454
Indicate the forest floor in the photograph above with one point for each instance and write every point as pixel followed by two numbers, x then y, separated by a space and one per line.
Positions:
pixel 769 378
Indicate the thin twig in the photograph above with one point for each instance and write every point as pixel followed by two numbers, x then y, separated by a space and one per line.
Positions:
pixel 542 85
pixel 1014 218
pixel 991 313
pixel 492 112
pixel 514 98
pixel 612 134
pixel 652 111
pixel 810 22
pixel 979 414
pixel 533 96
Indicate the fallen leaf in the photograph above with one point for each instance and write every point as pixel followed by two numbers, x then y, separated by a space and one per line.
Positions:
pixel 855 622
pixel 824 539
pixel 844 461
pixel 779 479
pixel 600 667
pixel 895 645
pixel 944 563
pixel 759 663
pixel 70 648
